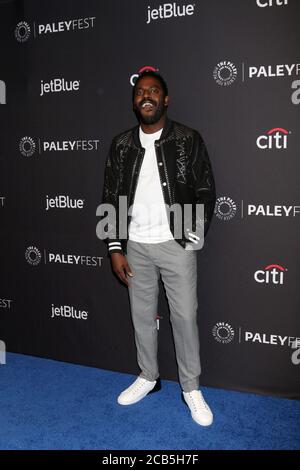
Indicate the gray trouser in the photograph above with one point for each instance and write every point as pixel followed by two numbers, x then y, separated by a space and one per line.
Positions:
pixel 178 269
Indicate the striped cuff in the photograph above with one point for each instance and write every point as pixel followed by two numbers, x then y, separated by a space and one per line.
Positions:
pixel 114 247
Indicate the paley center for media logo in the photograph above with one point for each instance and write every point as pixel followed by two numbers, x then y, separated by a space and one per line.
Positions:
pixel 225 73
pixel 273 274
pixel 169 10
pixel 28 145
pixel 23 30
pixel 223 332
pixel 276 138
pixel 225 208
pixel 33 257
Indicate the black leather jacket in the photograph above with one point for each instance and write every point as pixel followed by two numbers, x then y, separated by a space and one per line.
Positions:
pixel 185 173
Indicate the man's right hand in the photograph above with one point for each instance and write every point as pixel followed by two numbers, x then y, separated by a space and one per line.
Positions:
pixel 120 267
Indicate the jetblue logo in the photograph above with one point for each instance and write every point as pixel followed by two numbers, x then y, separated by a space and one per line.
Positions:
pixel 169 10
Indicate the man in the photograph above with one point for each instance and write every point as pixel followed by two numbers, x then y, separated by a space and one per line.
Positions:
pixel 157 165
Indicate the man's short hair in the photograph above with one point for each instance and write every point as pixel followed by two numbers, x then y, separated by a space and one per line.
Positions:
pixel 151 73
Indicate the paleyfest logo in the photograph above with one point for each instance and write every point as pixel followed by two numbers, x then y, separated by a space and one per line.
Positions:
pixel 28 146
pixel 23 29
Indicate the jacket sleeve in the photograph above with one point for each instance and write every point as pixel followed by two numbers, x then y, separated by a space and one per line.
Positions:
pixel 204 181
pixel 111 196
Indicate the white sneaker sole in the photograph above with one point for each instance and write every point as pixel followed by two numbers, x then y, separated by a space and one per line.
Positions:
pixel 122 400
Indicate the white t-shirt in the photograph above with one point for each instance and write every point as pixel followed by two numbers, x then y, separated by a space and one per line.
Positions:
pixel 149 221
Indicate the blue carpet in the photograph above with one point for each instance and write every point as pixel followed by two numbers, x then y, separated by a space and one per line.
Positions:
pixel 47 404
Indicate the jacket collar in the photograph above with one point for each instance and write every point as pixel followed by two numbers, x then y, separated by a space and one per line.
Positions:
pixel 165 131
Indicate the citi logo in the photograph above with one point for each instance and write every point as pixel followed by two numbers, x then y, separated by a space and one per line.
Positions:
pixel 142 69
pixel 276 138
pixel 271 3
pixel 169 10
pixel 2 92
pixel 63 202
pixel 68 311
pixel 272 274
pixel 58 85
pixel 225 208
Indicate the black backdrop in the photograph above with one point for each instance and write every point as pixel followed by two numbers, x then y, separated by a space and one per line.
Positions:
pixel 233 71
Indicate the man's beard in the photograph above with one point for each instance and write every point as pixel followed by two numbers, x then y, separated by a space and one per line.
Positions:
pixel 160 110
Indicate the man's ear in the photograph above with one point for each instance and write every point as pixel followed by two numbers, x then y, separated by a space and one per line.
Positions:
pixel 167 101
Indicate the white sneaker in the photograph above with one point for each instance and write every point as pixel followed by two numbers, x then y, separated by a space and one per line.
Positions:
pixel 201 413
pixel 137 391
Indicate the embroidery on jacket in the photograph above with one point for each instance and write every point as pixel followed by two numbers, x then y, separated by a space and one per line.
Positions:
pixel 181 162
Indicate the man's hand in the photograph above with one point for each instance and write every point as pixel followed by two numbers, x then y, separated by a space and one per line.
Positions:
pixel 120 267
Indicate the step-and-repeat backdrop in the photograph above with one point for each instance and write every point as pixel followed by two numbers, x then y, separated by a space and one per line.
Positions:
pixel 233 70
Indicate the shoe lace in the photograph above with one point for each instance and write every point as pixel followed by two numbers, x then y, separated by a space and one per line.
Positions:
pixel 198 401
pixel 137 385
